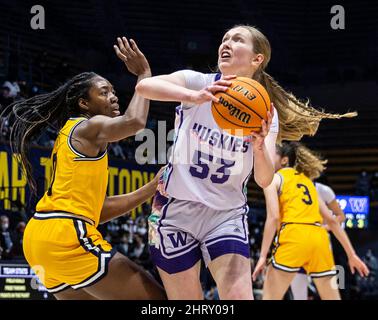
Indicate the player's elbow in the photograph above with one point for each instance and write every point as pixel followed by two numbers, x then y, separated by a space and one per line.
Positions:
pixel 274 219
pixel 141 87
pixel 264 182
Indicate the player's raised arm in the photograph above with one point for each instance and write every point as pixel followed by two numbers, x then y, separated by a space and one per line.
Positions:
pixel 173 87
pixel 105 129
pixel 116 206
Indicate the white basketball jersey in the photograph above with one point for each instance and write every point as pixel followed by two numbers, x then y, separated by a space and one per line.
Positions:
pixel 325 192
pixel 207 164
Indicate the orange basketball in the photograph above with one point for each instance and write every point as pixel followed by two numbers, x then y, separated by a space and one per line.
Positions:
pixel 241 107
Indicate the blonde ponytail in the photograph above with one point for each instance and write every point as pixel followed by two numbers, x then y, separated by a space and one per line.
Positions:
pixel 309 162
pixel 296 118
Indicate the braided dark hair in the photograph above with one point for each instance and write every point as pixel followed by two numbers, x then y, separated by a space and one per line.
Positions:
pixel 29 117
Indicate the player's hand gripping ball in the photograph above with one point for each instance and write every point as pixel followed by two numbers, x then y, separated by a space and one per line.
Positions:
pixel 241 107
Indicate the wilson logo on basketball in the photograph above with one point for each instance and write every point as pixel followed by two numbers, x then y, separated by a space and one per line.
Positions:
pixel 241 107
pixel 234 111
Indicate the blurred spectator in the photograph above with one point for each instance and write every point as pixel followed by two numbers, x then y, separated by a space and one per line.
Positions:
pixel 124 245
pixel 139 248
pixel 366 287
pixel 17 238
pixel 113 226
pixel 141 227
pixel 117 151
pixel 47 138
pixel 5 238
pixel 19 210
pixel 140 253
pixel 372 262
pixel 35 90
pixel 363 184
pixel 128 145
pixel 23 90
pixel 4 127
pixel 108 237
pixel 8 93
pixel 129 225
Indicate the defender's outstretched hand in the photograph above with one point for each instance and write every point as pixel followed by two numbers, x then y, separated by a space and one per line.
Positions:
pixel 133 58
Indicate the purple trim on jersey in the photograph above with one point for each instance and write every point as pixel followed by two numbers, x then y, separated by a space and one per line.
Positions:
pixel 302 271
pixel 217 76
pixel 159 201
pixel 178 264
pixel 231 235
pixel 170 169
pixel 165 210
pixel 182 249
pixel 244 185
pixel 180 111
pixel 228 246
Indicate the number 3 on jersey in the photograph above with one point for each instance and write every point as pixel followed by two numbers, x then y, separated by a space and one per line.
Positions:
pixel 307 200
pixel 201 170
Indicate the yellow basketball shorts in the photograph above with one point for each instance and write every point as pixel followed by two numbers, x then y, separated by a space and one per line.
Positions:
pixel 303 245
pixel 65 251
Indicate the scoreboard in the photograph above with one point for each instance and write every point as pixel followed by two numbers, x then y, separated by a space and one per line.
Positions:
pixel 18 281
pixel 356 210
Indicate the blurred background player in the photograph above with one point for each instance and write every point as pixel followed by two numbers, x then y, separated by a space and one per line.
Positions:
pixel 329 198
pixel 207 175
pixel 299 285
pixel 302 241
pixel 61 241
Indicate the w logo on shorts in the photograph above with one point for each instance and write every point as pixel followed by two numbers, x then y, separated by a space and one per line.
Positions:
pixel 177 238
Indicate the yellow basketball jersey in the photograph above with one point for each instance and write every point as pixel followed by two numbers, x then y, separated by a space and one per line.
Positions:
pixel 78 183
pixel 298 198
